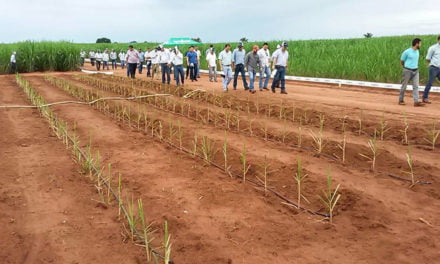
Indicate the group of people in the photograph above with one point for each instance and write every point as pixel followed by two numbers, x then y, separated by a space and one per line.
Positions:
pixel 103 59
pixel 410 70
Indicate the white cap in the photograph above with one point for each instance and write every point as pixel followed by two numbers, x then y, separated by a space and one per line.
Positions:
pixel 14 52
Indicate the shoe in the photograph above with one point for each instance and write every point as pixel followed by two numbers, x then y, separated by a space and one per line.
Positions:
pixel 273 90
pixel 283 92
pixel 246 88
pixel 402 103
pixel 235 88
pixel 261 90
pixel 418 104
pixel 222 75
pixel 265 88
pixel 252 91
pixel 426 101
pixel 225 91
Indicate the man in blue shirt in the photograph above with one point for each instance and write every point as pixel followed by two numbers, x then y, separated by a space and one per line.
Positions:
pixel 410 64
pixel 238 63
pixel 191 62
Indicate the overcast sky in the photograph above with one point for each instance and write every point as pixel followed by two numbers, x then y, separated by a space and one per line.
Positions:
pixel 214 20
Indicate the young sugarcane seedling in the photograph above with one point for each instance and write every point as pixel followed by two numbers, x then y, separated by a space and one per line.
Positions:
pixel 330 197
pixel 299 178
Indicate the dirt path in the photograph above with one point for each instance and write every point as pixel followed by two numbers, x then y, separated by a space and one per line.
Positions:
pixel 46 211
pixel 217 219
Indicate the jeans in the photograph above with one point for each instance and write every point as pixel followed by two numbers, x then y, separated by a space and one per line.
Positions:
pixel 140 67
pixel 165 72
pixel 227 71
pixel 408 75
pixel 13 67
pixel 98 65
pixel 266 72
pixel 92 61
pixel 279 76
pixel 114 65
pixel 122 64
pixel 192 73
pixel 212 73
pixel 239 68
pixel 131 69
pixel 434 72
pixel 196 70
pixel 148 68
pixel 252 75
pixel 104 65
pixel 82 61
pixel 178 71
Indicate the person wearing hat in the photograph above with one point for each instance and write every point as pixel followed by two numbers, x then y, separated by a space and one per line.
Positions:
pixel 280 58
pixel 264 55
pixel 225 60
pixel 177 61
pixel 238 65
pixel 252 65
pixel 13 62
pixel 132 59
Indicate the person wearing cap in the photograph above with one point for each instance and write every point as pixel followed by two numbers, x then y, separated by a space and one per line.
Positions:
pixel 177 61
pixel 433 58
pixel 252 65
pixel 191 61
pixel 148 61
pixel 122 59
pixel 197 65
pixel 264 55
pixel 280 58
pixel 211 59
pixel 13 62
pixel 165 63
pixel 410 71
pixel 113 57
pixel 92 57
pixel 132 59
pixel 238 65
pixel 82 57
pixel 225 61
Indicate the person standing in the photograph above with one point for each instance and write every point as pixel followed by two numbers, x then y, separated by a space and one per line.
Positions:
pixel 122 59
pixel 148 61
pixel 98 57
pixel 13 62
pixel 280 58
pixel 141 61
pixel 82 57
pixel 155 69
pixel 165 63
pixel 177 61
pixel 433 58
pixel 113 57
pixel 197 65
pixel 225 61
pixel 410 71
pixel 252 65
pixel 191 61
pixel 211 59
pixel 238 65
pixel 264 55
pixel 105 59
pixel 132 59
pixel 92 57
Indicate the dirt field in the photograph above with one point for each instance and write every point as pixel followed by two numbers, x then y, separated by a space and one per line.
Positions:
pixel 48 214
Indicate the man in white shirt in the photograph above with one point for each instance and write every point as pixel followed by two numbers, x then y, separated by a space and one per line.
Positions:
pixel 165 63
pixel 280 58
pixel 13 62
pixel 113 57
pixel 225 60
pixel 82 56
pixel 92 57
pixel 148 61
pixel 264 55
pixel 211 59
pixel 122 59
pixel 177 61
pixel 132 59
pixel 197 66
pixel 433 58
pixel 105 59
pixel 155 69
pixel 98 56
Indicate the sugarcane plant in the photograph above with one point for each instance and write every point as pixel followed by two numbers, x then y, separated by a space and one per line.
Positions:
pixel 299 178
pixel 244 163
pixel 432 135
pixel 208 149
pixel 372 145
pixel 318 140
pixel 383 127
pixel 405 129
pixel 410 162
pixel 330 196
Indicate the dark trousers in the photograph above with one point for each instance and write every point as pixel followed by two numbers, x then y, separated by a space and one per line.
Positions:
pixel 140 67
pixel 239 68
pixel 131 68
pixel 280 76
pixel 92 61
pixel 192 73
pixel 165 72
pixel 196 70
pixel 13 67
pixel 98 65
pixel 178 72
pixel 434 72
pixel 114 65
pixel 82 61
pixel 148 68
pixel 105 65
